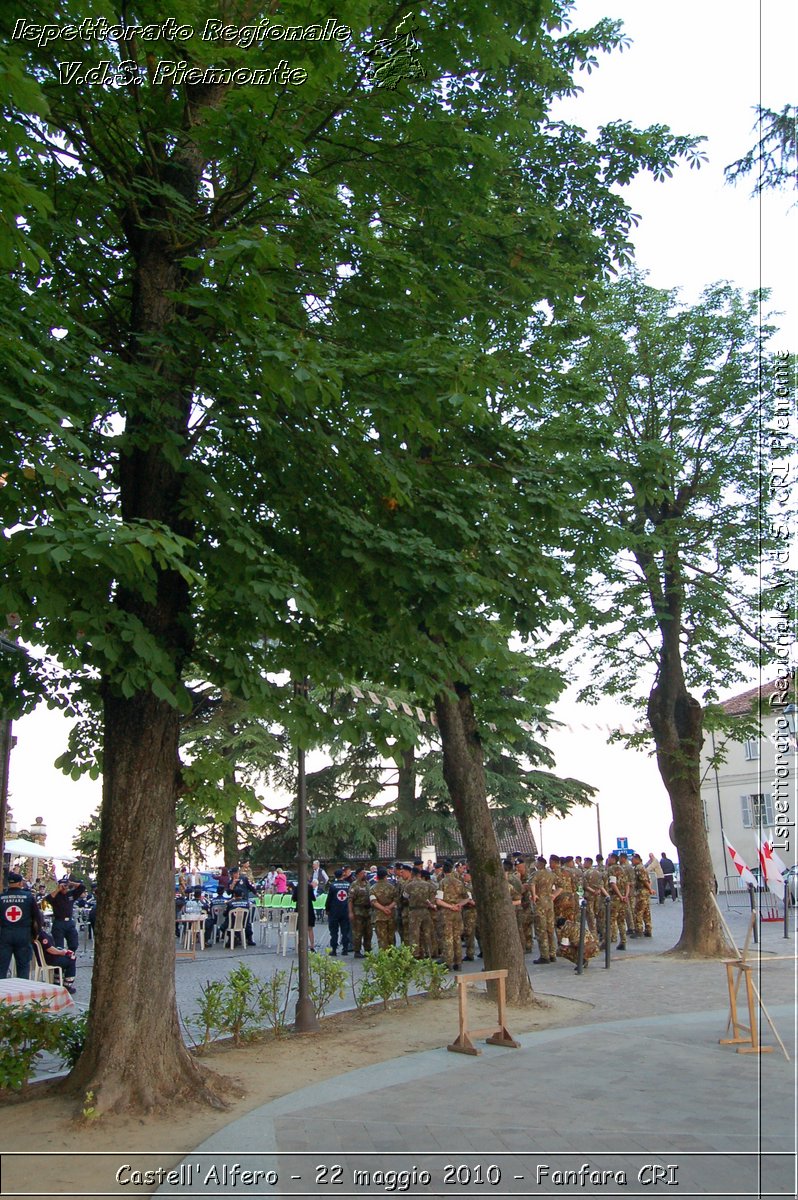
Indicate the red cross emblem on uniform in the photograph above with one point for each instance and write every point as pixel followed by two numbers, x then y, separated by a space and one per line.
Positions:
pixel 14 913
pixel 342 895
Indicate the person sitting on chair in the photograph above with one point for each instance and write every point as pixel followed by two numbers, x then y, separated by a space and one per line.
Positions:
pixel 56 956
pixel 238 901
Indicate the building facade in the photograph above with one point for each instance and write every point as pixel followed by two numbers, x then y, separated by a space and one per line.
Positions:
pixel 751 795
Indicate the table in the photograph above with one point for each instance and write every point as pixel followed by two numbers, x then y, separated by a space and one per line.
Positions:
pixel 25 991
pixel 194 926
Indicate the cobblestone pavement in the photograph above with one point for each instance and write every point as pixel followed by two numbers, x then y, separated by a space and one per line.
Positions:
pixel 638 1098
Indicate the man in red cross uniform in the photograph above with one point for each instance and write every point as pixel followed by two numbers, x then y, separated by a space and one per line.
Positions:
pixel 18 912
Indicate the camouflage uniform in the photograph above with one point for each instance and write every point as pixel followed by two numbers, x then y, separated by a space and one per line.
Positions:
pixel 642 897
pixel 360 900
pixel 526 922
pixel 545 882
pixel 616 886
pixel 419 916
pixel 436 941
pixel 384 926
pixel 402 909
pixel 569 933
pixel 454 892
pixel 627 871
pixel 469 915
pixel 594 882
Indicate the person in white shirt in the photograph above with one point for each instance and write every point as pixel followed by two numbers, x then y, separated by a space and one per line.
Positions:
pixel 319 877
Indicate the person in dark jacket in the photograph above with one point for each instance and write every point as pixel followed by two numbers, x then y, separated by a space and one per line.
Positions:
pixel 19 914
pixel 62 902
pixel 56 957
pixel 337 908
pixel 238 901
pixel 668 872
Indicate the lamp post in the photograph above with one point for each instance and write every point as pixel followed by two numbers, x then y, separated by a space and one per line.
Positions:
pixel 305 1019
pixel 38 833
pixel 598 826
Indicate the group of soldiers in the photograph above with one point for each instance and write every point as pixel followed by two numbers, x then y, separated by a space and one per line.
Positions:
pixel 434 911
pixel 548 896
pixel 431 910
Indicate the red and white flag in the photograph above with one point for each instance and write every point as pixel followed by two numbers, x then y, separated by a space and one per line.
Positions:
pixel 772 867
pixel 744 871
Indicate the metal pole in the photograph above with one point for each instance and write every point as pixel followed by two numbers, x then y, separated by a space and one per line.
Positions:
pixel 752 898
pixel 580 958
pixel 5 755
pixel 786 908
pixel 598 826
pixel 305 1019
pixel 607 903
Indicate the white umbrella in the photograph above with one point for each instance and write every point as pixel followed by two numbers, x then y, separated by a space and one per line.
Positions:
pixel 22 848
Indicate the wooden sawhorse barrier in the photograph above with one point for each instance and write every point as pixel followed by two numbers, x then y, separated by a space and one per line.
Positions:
pixel 500 1036
pixel 747 1038
pixel 744 1037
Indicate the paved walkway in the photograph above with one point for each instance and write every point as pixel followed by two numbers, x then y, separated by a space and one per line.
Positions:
pixel 639 1099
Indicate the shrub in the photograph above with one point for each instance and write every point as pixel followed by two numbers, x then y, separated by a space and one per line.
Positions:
pixel 240 1003
pixel 273 1000
pixel 26 1031
pixel 327 978
pixel 208 1019
pixel 387 973
pixel 433 977
pixel 72 1037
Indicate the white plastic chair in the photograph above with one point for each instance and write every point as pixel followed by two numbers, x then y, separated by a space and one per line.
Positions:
pixel 42 970
pixel 237 923
pixel 265 926
pixel 287 930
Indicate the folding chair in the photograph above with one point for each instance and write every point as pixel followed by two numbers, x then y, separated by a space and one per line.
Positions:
pixel 42 970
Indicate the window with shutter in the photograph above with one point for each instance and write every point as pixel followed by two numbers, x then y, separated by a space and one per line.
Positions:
pixel 746 807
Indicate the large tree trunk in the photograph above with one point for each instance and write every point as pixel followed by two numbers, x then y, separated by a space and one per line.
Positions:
pixel 135 1057
pixel 677 720
pixel 230 841
pixel 406 805
pixel 465 778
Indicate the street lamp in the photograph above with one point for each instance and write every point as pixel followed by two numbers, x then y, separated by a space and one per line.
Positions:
pixel 38 833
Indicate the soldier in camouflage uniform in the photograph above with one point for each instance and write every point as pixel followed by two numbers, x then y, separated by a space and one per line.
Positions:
pixel 527 922
pixel 420 905
pixel 360 913
pixel 383 907
pixel 403 877
pixel 616 886
pixel 435 877
pixel 469 914
pixel 626 869
pixel 452 895
pixel 642 894
pixel 595 893
pixel 544 892
pixel 564 883
pixel 568 930
pixel 516 889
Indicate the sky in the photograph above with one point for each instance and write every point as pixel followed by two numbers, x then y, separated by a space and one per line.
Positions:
pixel 699 66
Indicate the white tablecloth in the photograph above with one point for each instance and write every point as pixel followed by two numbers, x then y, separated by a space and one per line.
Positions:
pixel 25 991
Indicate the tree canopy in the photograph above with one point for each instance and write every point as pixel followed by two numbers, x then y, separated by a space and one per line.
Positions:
pixel 670 393
pixel 264 347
